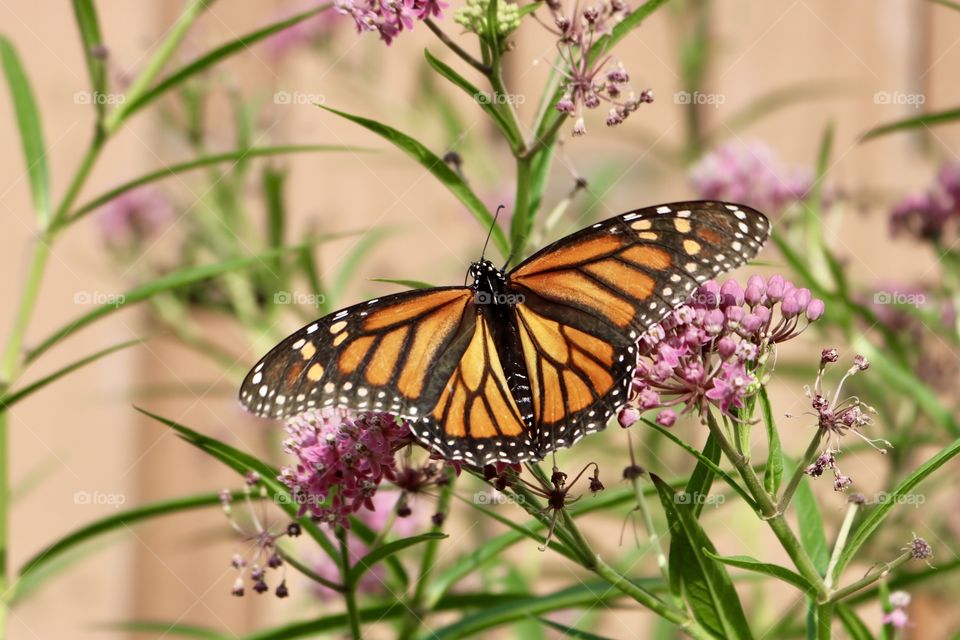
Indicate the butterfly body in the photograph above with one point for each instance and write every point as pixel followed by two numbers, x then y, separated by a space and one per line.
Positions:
pixel 518 363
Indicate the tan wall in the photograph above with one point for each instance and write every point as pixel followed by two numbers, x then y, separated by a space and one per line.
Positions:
pixel 83 436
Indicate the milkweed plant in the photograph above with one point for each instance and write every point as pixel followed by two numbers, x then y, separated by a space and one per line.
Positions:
pixel 694 506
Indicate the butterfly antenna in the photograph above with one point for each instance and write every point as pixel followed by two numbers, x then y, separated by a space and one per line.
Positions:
pixel 490 232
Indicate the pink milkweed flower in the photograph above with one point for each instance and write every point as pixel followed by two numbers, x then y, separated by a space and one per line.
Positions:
pixel 133 216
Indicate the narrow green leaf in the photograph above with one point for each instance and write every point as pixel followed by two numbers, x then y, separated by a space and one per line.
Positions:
pixel 779 98
pixel 273 181
pixel 810 522
pixel 436 166
pixel 31 133
pixel 881 511
pixel 773 475
pixel 351 263
pixel 702 477
pixel 16 396
pixel 916 122
pixel 706 583
pixel 367 536
pixel 713 466
pixel 118 521
pixel 205 161
pixel 165 629
pixel 169 282
pixel 856 628
pixel 89 26
pixel 243 43
pixel 571 632
pixel 950 4
pixel 368 561
pixel 752 564
pixel 409 284
pixel 482 98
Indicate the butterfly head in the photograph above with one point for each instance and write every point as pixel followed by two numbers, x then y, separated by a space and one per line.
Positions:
pixel 489 282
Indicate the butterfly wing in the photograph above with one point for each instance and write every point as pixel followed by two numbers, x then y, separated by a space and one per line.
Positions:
pixel 427 356
pixel 588 297
pixel 380 355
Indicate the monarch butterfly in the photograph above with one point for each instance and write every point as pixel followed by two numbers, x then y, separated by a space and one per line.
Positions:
pixel 518 363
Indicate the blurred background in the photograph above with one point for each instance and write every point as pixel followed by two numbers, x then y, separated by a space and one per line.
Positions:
pixel 80 451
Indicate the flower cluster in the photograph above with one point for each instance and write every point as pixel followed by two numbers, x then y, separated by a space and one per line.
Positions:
pixel 897 616
pixel 837 417
pixel 932 214
pixel 589 81
pixel 752 174
pixel 341 460
pixel 709 350
pixel 389 17
pixel 473 17
pixel 264 554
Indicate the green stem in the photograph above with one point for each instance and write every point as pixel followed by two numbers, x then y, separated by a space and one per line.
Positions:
pixel 167 48
pixel 841 542
pixel 652 534
pixel 457 49
pixel 769 510
pixel 349 588
pixel 870 578
pixel 824 613
pixel 520 225
pixel 813 450
pixel 416 609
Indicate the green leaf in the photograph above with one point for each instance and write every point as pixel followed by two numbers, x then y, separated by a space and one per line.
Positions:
pixel 116 522
pixel 31 133
pixel 706 583
pixel 571 632
pixel 752 564
pixel 368 561
pixel 243 43
pixel 351 263
pixel 881 511
pixel 409 284
pixel 812 532
pixel 773 475
pixel 925 120
pixel 243 463
pixel 707 462
pixel 89 25
pixel 169 282
pixel 436 166
pixel 482 98
pixel 856 629
pixel 781 97
pixel 163 629
pixel 16 396
pixel 199 163
pixel 368 536
pixel 702 477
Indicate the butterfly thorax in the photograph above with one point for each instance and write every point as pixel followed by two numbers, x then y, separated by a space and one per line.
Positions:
pixel 495 300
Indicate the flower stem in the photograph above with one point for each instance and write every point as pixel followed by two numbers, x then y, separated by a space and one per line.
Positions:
pixel 457 49
pixel 870 578
pixel 520 225
pixel 349 588
pixel 841 542
pixel 652 535
pixel 808 456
